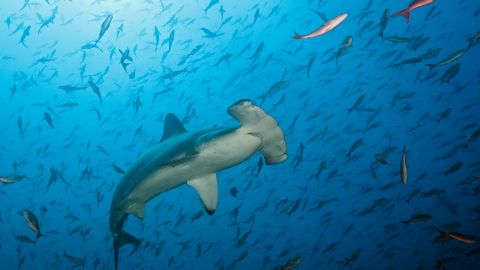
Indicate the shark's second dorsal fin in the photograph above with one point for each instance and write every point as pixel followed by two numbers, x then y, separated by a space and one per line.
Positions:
pixel 172 127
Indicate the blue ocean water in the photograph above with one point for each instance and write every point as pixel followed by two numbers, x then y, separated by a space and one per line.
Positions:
pixel 86 86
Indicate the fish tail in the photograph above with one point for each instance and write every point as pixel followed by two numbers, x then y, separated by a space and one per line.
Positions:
pixel 121 240
pixel 405 12
pixel 296 35
pixel 441 232
pixel 471 41
pixel 405 222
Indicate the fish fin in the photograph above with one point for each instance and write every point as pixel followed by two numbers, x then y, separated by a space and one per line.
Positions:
pixel 258 123
pixel 187 157
pixel 40 235
pixel 442 233
pixel 125 65
pixel 324 17
pixel 297 35
pixel 172 127
pixel 137 209
pixel 96 46
pixel 405 13
pixel 121 240
pixel 206 187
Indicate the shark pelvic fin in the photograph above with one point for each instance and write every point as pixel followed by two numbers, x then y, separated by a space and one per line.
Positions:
pixel 172 127
pixel 206 188
pixel 137 210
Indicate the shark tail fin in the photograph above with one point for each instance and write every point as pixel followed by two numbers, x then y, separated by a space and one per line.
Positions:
pixel 123 239
pixel 259 123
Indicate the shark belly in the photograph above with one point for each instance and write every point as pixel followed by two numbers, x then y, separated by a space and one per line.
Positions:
pixel 213 155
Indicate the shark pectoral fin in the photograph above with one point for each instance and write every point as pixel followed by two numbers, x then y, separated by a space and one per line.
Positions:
pixel 181 160
pixel 206 188
pixel 137 209
pixel 172 127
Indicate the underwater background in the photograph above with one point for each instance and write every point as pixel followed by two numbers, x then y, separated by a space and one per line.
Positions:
pixel 78 107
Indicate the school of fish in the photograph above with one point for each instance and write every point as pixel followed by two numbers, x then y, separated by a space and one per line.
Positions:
pixel 221 134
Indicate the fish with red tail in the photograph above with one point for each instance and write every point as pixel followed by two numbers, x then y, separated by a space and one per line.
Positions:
pixel 414 5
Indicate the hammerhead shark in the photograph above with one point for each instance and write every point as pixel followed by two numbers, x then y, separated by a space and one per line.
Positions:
pixel 193 158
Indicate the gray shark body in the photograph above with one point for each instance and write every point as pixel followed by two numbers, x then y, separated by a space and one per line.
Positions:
pixel 193 158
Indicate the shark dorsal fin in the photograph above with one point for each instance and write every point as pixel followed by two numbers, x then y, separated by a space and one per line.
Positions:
pixel 172 127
